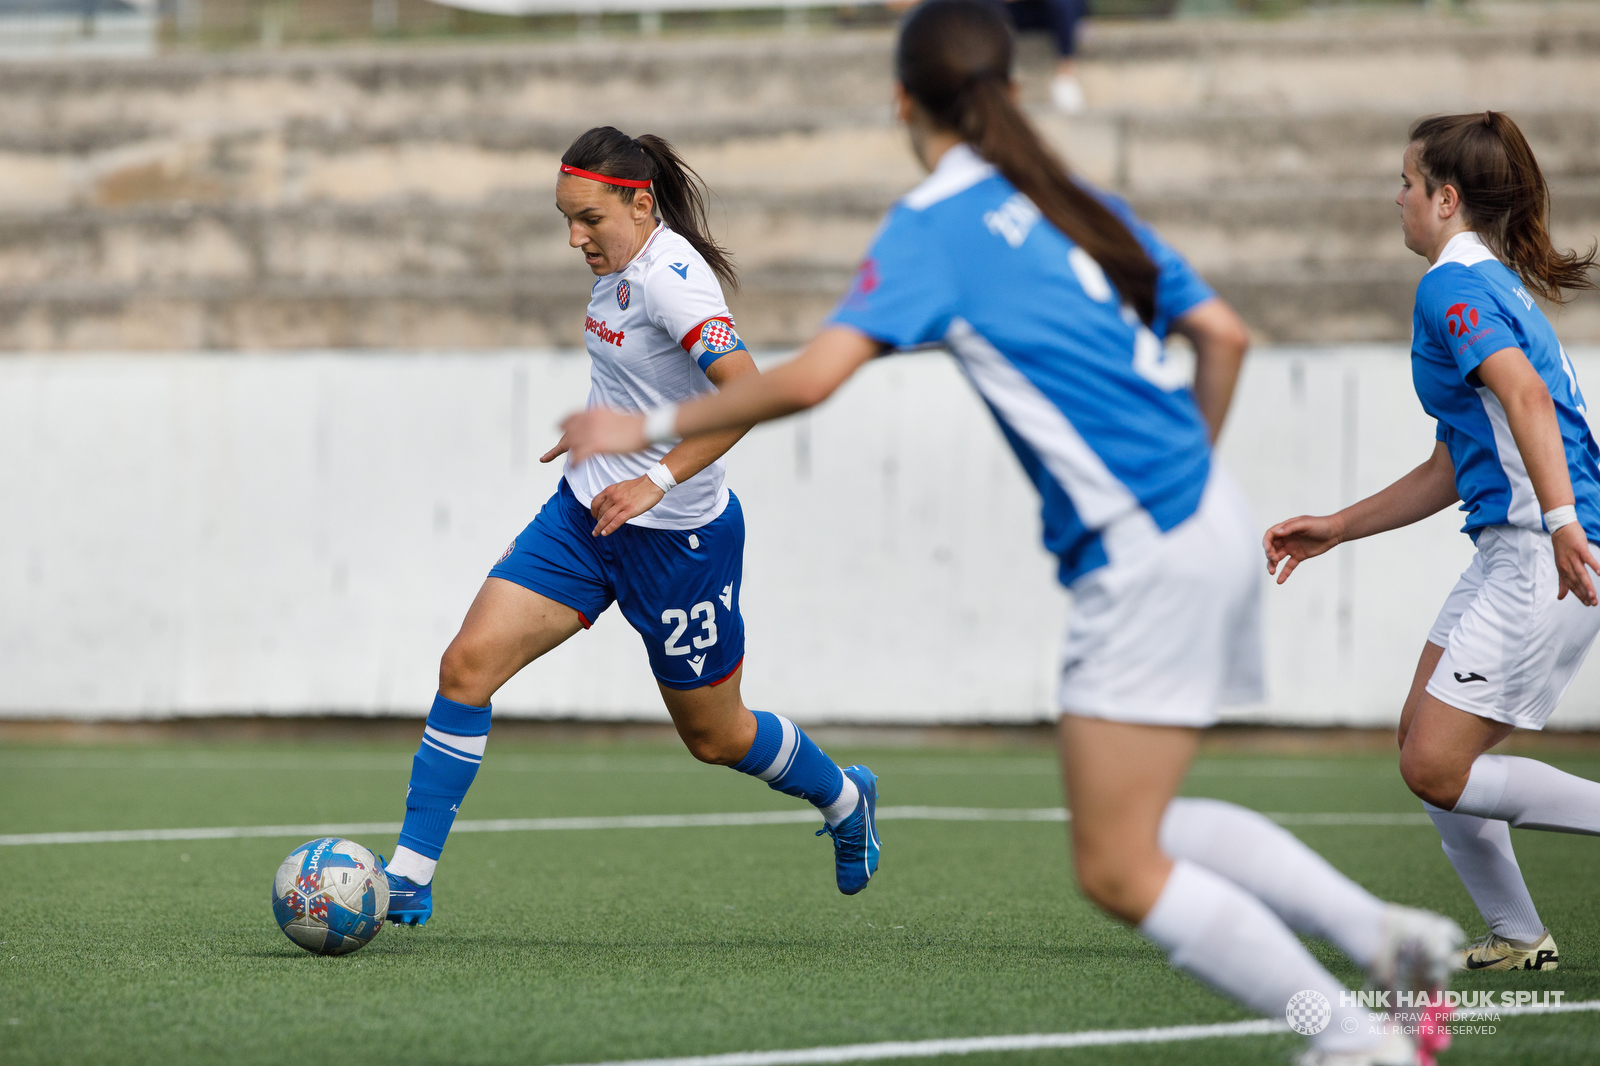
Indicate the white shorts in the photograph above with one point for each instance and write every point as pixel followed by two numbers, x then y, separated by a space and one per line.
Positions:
pixel 1510 647
pixel 1170 628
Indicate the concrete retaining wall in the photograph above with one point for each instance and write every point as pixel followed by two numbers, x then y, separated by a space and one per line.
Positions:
pixel 301 533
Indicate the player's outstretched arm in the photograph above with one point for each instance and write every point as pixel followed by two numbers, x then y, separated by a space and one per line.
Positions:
pixel 1220 340
pixel 1428 489
pixel 805 381
pixel 617 503
pixel 1531 414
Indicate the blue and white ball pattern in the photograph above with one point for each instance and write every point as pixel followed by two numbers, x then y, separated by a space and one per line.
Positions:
pixel 330 896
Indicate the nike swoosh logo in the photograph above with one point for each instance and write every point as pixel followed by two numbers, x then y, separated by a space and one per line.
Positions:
pixel 1474 964
pixel 1470 677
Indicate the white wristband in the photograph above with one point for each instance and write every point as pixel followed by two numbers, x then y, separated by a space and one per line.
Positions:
pixel 1557 517
pixel 662 477
pixel 659 424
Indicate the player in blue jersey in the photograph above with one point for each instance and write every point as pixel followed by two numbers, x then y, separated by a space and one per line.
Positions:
pixel 1055 299
pixel 1514 448
pixel 655 531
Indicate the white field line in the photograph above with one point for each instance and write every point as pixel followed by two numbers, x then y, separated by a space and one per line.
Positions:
pixel 927 1049
pixel 984 766
pixel 637 821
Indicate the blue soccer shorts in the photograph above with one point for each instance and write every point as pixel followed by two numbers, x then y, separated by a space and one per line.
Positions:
pixel 678 588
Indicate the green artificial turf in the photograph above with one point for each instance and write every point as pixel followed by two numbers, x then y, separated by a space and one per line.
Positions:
pixel 583 946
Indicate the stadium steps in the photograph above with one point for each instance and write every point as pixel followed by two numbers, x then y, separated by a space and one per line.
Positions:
pixel 401 197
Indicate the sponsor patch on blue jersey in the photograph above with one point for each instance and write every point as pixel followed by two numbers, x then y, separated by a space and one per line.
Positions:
pixel 622 295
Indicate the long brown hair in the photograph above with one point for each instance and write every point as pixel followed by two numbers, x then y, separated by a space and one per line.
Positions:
pixel 954 59
pixel 679 192
pixel 1504 194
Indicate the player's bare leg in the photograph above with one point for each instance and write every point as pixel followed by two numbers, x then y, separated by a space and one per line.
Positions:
pixel 1119 779
pixel 506 628
pixel 713 721
pixel 1438 745
pixel 1220 912
pixel 718 728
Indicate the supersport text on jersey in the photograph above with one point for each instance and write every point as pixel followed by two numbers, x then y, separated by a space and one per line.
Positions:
pixel 651 331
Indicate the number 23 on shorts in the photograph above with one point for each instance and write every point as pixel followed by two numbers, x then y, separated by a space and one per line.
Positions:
pixel 705 612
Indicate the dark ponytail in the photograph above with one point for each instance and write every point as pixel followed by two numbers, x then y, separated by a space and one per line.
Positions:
pixel 1504 195
pixel 954 59
pixel 679 192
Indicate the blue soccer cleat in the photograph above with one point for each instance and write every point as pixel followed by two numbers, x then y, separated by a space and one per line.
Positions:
pixel 409 902
pixel 855 840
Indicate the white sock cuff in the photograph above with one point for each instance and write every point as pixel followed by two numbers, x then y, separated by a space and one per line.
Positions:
pixel 1486 784
pixel 840 809
pixel 1188 904
pixel 414 867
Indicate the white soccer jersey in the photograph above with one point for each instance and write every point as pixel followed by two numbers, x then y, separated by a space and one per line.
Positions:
pixel 652 329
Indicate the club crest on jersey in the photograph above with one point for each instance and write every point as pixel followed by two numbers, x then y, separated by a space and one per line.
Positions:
pixel 718 337
pixel 1460 318
pixel 622 295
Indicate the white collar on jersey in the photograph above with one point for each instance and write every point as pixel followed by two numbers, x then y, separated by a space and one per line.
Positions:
pixel 1466 248
pixel 959 169
pixel 660 226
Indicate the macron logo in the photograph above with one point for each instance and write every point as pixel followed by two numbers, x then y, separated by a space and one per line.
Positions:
pixel 727 597
pixel 681 269
pixel 599 329
pixel 699 663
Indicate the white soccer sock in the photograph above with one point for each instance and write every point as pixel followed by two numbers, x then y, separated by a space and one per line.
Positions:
pixel 1480 850
pixel 1271 863
pixel 1215 930
pixel 840 809
pixel 418 869
pixel 1530 795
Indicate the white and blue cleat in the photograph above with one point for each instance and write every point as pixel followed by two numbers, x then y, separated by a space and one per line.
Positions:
pixel 855 840
pixel 409 902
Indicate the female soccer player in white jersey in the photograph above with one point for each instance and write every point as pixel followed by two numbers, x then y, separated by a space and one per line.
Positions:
pixel 1054 300
pixel 1514 448
pixel 656 530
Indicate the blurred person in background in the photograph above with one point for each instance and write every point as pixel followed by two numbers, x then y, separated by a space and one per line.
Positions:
pixel 1060 18
pixel 1514 449
pixel 1055 299
pixel 657 532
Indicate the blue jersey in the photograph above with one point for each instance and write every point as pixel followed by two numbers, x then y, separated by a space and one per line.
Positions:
pixel 1104 426
pixel 1469 306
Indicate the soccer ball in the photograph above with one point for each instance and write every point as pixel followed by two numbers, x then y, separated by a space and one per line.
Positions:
pixel 330 896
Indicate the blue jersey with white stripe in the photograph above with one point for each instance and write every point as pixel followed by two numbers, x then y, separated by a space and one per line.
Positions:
pixel 1104 426
pixel 1469 306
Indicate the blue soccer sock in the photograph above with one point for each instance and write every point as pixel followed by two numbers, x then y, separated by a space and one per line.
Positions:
pixel 789 761
pixel 452 746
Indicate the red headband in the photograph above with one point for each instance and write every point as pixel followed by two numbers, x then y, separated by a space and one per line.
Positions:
pixel 625 182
